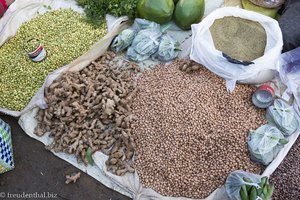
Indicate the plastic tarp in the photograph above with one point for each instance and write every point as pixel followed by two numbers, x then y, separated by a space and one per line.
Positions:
pixel 129 184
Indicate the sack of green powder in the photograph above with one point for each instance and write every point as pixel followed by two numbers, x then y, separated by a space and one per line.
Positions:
pixel 246 65
pixel 283 116
pixel 6 150
pixel 265 143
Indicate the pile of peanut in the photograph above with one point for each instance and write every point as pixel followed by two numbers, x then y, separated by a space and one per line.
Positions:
pixel 190 132
pixel 286 177
pixel 90 110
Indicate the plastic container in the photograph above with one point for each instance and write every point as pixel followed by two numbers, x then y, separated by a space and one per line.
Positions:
pixel 35 50
pixel 263 97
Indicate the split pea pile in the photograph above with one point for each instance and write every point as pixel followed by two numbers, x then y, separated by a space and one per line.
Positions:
pixel 190 132
pixel 65 36
pixel 286 177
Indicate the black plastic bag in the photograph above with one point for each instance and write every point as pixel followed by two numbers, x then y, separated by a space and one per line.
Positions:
pixel 289 23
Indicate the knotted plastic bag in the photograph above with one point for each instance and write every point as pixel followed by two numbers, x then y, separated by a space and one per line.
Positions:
pixel 141 24
pixel 125 38
pixel 168 49
pixel 283 116
pixel 235 181
pixel 265 143
pixel 144 44
pixel 133 55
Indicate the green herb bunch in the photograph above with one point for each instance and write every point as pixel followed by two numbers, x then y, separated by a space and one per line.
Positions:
pixel 97 9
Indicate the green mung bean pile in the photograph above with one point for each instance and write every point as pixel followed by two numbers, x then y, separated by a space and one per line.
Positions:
pixel 64 34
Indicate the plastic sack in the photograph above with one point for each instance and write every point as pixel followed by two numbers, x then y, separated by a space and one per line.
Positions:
pixel 235 181
pixel 289 72
pixel 258 71
pixel 289 23
pixel 168 48
pixel 283 116
pixel 6 150
pixel 268 3
pixel 265 143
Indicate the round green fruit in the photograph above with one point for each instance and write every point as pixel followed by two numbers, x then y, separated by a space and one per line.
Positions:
pixel 159 11
pixel 188 12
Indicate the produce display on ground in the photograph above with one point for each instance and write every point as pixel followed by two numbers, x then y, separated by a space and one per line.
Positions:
pixel 286 177
pixel 90 111
pixel 239 38
pixel 190 132
pixel 64 35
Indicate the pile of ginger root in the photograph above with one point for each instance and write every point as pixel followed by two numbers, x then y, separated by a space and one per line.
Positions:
pixel 90 109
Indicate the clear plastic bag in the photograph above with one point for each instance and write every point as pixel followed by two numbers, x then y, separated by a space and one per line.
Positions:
pixel 268 3
pixel 123 40
pixel 133 55
pixel 289 72
pixel 235 181
pixel 141 24
pixel 168 49
pixel 283 116
pixel 147 41
pixel 265 143
pixel 126 37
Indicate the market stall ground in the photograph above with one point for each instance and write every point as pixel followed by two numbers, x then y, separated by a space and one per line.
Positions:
pixel 38 170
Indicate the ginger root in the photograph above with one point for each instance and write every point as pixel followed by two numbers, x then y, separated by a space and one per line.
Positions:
pixel 92 109
pixel 72 178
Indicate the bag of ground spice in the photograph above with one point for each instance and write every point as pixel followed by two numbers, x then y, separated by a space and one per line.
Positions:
pixel 238 45
pixel 6 151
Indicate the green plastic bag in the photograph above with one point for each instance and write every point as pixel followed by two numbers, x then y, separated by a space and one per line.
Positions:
pixel 6 151
pixel 159 11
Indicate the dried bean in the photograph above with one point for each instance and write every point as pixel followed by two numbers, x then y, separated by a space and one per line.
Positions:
pixel 190 132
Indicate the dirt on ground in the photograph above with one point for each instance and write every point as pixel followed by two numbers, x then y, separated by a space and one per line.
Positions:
pixel 38 171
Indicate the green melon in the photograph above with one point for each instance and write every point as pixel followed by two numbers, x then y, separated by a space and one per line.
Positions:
pixel 188 12
pixel 159 11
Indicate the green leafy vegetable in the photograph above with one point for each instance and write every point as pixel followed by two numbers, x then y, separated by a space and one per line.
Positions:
pixel 88 156
pixel 97 9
